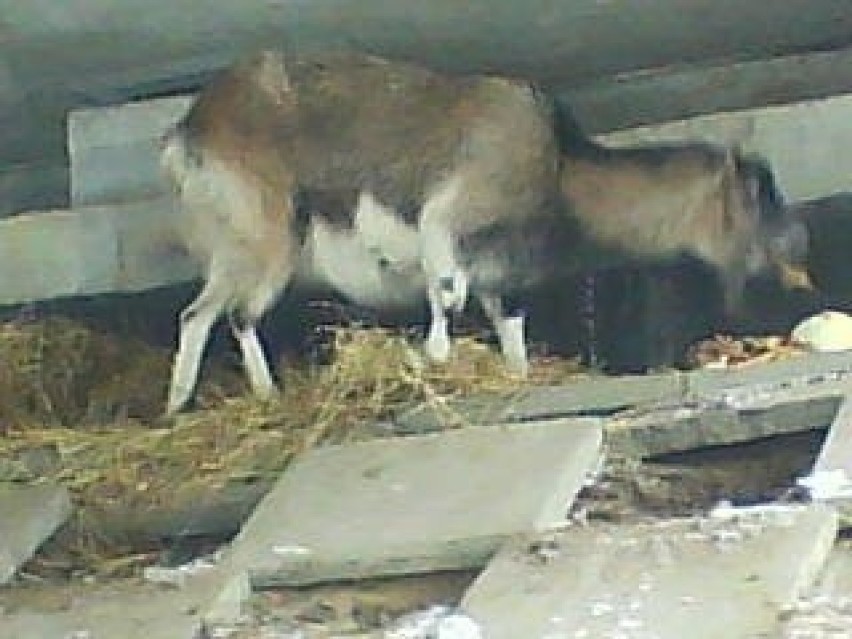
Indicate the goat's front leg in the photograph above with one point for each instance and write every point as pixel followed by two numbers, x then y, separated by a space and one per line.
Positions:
pixel 438 339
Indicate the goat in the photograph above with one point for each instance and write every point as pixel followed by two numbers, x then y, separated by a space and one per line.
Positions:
pixel 393 183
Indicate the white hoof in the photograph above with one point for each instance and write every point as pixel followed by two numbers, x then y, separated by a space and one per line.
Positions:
pixel 438 347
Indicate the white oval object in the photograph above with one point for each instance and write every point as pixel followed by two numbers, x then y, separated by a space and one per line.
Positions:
pixel 827 331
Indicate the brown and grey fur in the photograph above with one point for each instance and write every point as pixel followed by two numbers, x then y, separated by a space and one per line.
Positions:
pixel 359 172
pixel 695 198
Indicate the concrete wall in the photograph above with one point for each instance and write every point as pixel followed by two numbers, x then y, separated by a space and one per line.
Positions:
pixel 91 250
pixel 809 144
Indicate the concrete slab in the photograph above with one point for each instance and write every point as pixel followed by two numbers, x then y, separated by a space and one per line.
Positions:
pixel 112 610
pixel 409 505
pixel 592 396
pixel 825 611
pixel 114 151
pixel 719 577
pixel 30 514
pixel 91 250
pixel 652 415
pixel 830 479
pixel 814 367
pixel 658 431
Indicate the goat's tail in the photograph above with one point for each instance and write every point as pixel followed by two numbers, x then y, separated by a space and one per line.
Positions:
pixel 176 156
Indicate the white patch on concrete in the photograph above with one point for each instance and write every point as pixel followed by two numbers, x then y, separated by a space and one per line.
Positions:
pixel 437 622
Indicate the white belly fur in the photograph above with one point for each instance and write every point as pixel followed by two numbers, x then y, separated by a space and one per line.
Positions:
pixel 375 263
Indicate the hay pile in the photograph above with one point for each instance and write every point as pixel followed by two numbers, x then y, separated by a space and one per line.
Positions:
pixel 80 407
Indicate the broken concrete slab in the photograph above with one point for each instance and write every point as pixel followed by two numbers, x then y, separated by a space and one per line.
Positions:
pixel 673 412
pixel 728 575
pixel 825 610
pixel 109 610
pixel 799 370
pixel 658 431
pixel 830 478
pixel 597 395
pixel 408 505
pixel 30 514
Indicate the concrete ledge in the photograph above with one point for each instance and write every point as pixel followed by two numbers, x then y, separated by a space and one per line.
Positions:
pixel 91 250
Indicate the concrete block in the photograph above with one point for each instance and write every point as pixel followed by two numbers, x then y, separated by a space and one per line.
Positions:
pixel 725 577
pixel 30 515
pixel 114 151
pixel 690 426
pixel 150 253
pixel 808 143
pixel 91 250
pixel 55 254
pixel 113 610
pixel 413 504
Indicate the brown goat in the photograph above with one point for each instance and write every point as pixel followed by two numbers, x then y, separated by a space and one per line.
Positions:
pixel 392 183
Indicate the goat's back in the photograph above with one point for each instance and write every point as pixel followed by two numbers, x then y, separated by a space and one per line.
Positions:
pixel 344 121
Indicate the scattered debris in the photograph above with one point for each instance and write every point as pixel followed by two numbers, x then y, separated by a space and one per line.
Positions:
pixel 179 575
pixel 723 351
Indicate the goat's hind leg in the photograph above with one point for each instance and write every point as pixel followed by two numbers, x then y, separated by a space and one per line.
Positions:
pixel 196 320
pixel 510 333
pixel 243 320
